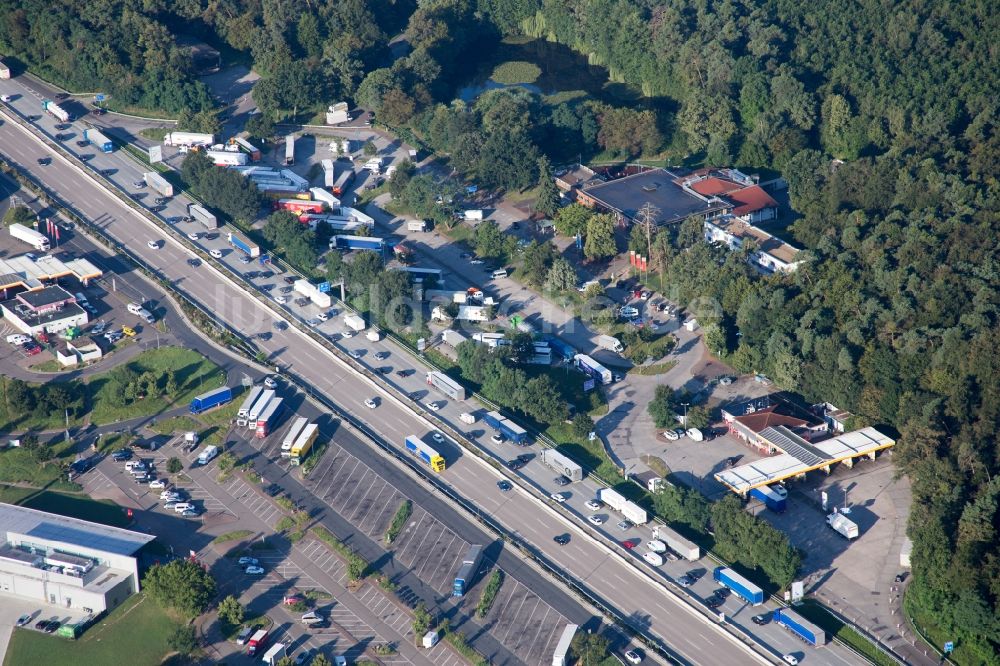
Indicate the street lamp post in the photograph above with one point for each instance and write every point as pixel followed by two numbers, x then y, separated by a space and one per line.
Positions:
pixel 685 405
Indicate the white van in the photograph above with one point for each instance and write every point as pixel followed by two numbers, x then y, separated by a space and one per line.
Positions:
pixel 134 308
pixel 653 558
pixel 499 273
pixel 183 506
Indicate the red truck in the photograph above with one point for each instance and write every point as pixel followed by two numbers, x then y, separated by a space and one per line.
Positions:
pixel 257 641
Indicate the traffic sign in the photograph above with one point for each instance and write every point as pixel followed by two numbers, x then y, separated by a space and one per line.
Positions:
pixel 99 97
pixel 949 647
pixel 323 287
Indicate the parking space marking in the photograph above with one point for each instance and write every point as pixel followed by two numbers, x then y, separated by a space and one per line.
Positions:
pixel 413 539
pixel 364 504
pixel 346 484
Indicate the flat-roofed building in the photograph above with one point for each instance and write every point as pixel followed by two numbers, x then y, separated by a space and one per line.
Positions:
pixel 67 562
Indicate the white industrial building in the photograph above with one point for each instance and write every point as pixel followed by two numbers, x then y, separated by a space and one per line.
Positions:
pixel 49 309
pixel 67 562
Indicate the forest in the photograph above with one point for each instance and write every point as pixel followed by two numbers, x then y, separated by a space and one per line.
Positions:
pixel 881 116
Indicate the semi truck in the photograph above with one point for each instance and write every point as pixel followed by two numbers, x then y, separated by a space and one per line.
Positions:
pixel 54 109
pixel 211 399
pixel 428 454
pixel 98 139
pixel 227 157
pixel 319 194
pixel 292 436
pixel 303 444
pixel 290 150
pixel 208 454
pixel 188 139
pixel 200 213
pixel 249 401
pixel 686 549
pixel 773 497
pixel 348 243
pixel 800 626
pixel 467 571
pixel 593 368
pixel 560 657
pixel 244 244
pixel 616 501
pixel 257 642
pixel 258 407
pixel 251 150
pixel 446 385
pixel 562 464
pixel 842 525
pixel 300 206
pixel 610 343
pixel 739 585
pixel 329 173
pixel 309 290
pixel 35 239
pixel 506 427
pixel 158 183
pixel 269 418
pixel 354 322
pixel 274 654
pixel 453 338
pixel 343 181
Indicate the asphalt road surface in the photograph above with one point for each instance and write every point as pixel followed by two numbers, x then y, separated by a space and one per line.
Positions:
pixel 608 576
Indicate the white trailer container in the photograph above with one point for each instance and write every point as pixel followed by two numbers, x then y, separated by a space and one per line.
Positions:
pixel 158 183
pixel 473 216
pixel 843 525
pixel 453 338
pixel 258 408
pixel 293 433
pixel 329 173
pixel 188 139
pixel 201 214
pixel 446 385
pixel 560 463
pixel 593 368
pixel 416 225
pixel 290 150
pixel 312 292
pixel 319 194
pixel 35 239
pixel 616 501
pixel 249 401
pixel 686 549
pixel 561 656
pixel 610 343
pixel 56 110
pixel 337 113
pixel 354 322
pixel 466 417
pixel 227 158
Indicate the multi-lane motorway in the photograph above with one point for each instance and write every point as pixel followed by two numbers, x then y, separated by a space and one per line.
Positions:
pixel 603 571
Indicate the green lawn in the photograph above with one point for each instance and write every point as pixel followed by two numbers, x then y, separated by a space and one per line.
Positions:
pixel 18 466
pixel 135 633
pixel 14 418
pixel 175 424
pixel 73 505
pixel 195 374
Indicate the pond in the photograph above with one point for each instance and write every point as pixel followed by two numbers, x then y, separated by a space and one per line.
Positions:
pixel 561 70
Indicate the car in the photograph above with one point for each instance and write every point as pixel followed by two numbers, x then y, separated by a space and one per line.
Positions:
pixel 248 561
pixel 381 356
pixel 51 626
pixel 406 372
pixel 347 333
pixel 172 504
pixel 255 570
pixel 504 486
pixel 313 322
pixel 476 262
pixel 129 331
pixel 629 544
pixel 303 657
pixel 671 435
pixel 595 519
pixel 271 382
pixel 171 497
pixel 189 513
pixel 194 235
pixel 158 484
pixel 322 316
pixel 370 403
pixel 790 659
pixel 23 620
pixel 644 295
pixel 267 275
pixel 215 254
pixel 99 328
pixel 245 259
pixel 558 497
pixel 722 592
pixel 194 262
pixel 121 454
pixel 356 353
pixel 625 525
pixel 280 299
pixel 138 184
pixel 32 351
pixel 153 244
pixel 593 505
pixel 515 464
pixel 761 619
pixel 437 437
pixel 900 577
pixel 561 481
pixel 285 290
pixel 281 325
pixel 245 635
pixel 714 601
pixel 161 200
pixel 434 406
pixel 561 539
pixel 633 657
pixel 251 275
pixel 497 438
pixel 685 581
pixel 44 161
pixel 40 625
pixel 288 279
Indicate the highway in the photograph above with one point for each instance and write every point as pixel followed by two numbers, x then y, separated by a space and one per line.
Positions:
pixel 604 572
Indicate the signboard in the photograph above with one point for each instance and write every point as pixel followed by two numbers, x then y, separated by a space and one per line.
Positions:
pixel 323 287
pixel 99 97
pixel 155 154
pixel 797 591
pixel 949 647
pixel 588 385
pixel 825 499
